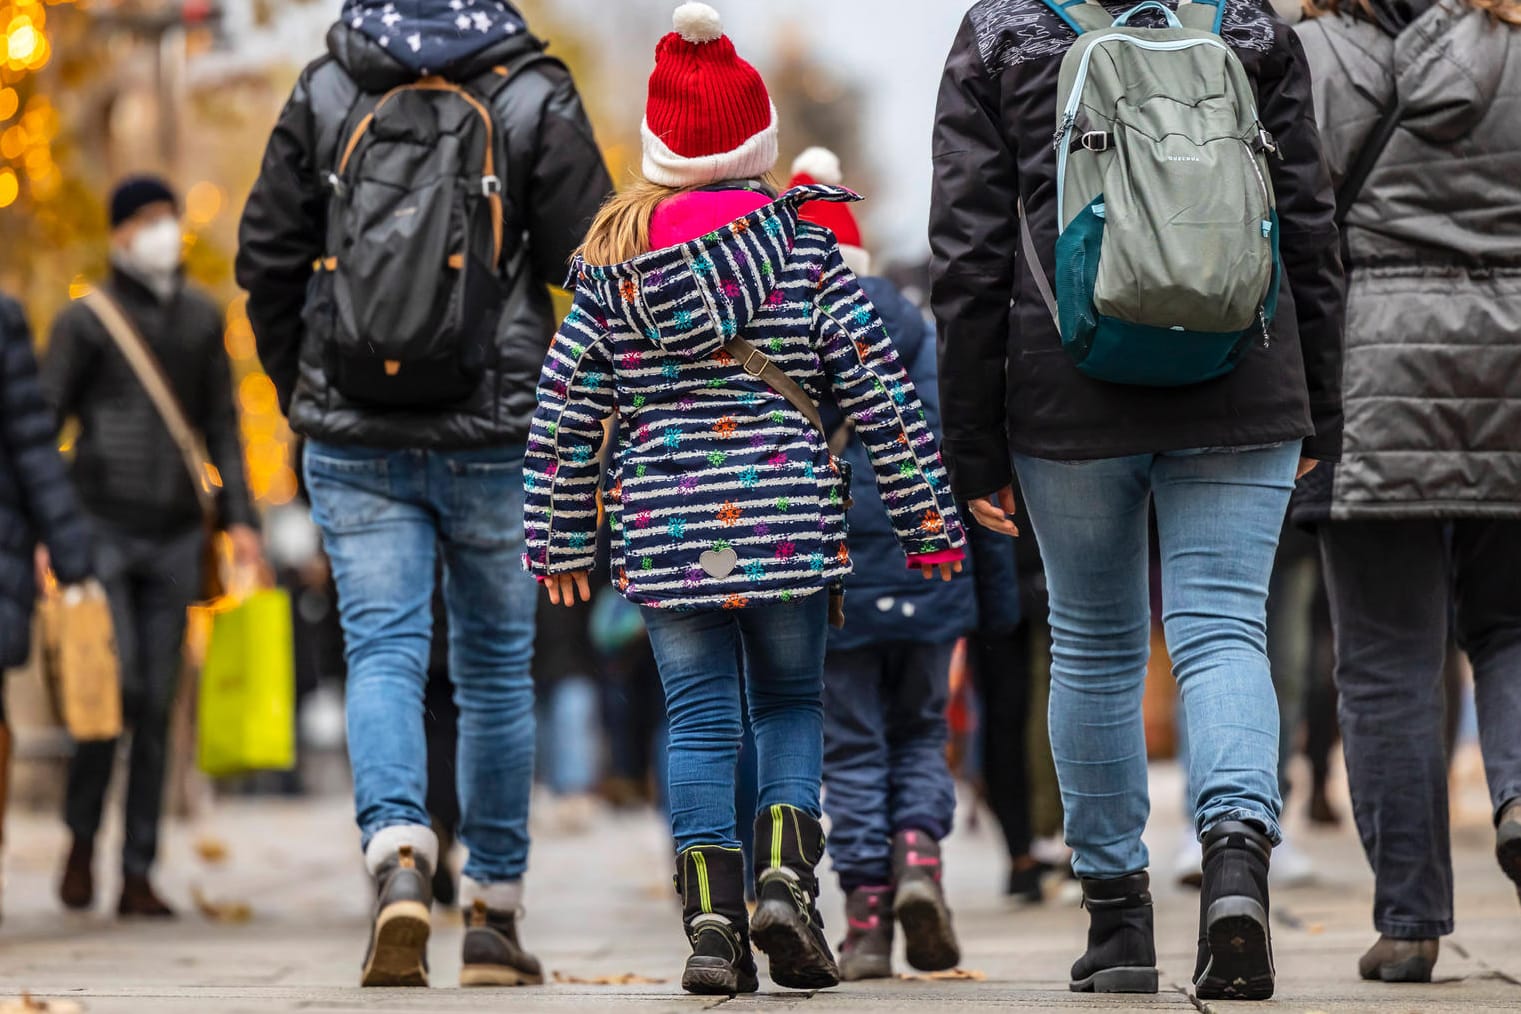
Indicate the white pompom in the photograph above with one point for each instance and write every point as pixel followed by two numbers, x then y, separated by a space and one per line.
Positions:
pixel 698 23
pixel 820 163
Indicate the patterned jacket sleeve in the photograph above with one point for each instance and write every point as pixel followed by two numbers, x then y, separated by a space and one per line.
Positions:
pixel 561 471
pixel 872 387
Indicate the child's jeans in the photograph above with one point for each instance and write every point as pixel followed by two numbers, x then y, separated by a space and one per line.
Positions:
pixel 885 770
pixel 699 655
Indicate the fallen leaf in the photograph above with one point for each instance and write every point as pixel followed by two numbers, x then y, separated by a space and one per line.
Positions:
pixel 1315 928
pixel 27 1004
pixel 221 911
pixel 626 979
pixel 954 975
pixel 211 850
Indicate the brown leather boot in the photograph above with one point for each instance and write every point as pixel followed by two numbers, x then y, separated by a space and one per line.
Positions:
pixel 138 900
pixel 77 889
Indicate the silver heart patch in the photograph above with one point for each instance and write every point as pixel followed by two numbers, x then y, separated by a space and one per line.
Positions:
pixel 719 563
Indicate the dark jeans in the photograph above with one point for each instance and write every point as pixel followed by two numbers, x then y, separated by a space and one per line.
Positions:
pixel 150 582
pixel 699 653
pixel 885 769
pixel 1393 585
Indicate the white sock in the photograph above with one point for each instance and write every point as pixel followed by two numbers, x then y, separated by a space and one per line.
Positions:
pixel 390 840
pixel 503 896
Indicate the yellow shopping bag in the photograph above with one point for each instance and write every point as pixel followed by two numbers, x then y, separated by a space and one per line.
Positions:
pixel 247 710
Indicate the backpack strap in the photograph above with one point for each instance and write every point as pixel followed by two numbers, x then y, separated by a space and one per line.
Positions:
pixel 1082 16
pixel 1035 267
pixel 1202 15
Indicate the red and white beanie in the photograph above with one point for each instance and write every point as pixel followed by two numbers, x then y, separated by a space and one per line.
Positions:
pixel 820 165
pixel 709 117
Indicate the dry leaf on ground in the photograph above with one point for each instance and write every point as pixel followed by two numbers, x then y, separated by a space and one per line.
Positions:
pixel 211 850
pixel 221 911
pixel 954 975
pixel 626 979
pixel 28 1004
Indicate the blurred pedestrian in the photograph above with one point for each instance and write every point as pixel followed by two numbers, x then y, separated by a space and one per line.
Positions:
pixel 38 507
pixel 423 189
pixel 1420 107
pixel 150 526
pixel 888 789
pixel 1096 440
pixel 727 508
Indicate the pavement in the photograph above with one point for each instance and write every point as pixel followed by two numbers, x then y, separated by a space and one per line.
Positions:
pixel 600 908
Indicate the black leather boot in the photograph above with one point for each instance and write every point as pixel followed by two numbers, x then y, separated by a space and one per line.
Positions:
pixel 1122 952
pixel 398 952
pixel 1235 941
pixel 1508 842
pixel 491 954
pixel 711 882
pixel 867 950
pixel 919 903
pixel 786 924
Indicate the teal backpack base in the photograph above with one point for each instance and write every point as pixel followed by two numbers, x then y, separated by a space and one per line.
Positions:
pixel 1167 263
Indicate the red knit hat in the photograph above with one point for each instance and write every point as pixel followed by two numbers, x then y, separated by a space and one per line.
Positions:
pixel 820 165
pixel 709 117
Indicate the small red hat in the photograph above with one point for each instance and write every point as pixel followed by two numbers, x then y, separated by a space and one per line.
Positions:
pixel 820 165
pixel 709 117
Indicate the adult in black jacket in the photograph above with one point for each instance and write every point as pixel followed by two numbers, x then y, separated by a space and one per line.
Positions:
pixel 149 529
pixel 393 489
pixel 1219 458
pixel 37 504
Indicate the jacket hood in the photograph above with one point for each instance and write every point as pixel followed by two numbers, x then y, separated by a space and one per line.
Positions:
pixel 1448 66
pixel 693 298
pixel 386 43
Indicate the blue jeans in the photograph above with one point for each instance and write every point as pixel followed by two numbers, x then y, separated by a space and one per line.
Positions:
pixel 885 771
pixel 699 654
pixel 1219 514
pixel 384 515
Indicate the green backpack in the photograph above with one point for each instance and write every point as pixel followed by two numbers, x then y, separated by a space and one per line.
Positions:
pixel 1167 265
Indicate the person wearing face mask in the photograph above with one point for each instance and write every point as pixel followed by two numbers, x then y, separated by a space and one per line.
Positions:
pixel 146 517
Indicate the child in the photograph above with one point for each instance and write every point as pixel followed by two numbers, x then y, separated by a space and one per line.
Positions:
pixel 709 318
pixel 888 789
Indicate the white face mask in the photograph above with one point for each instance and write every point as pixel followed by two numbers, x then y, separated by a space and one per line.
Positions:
pixel 156 248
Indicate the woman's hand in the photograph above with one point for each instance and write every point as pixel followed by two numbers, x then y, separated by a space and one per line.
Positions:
pixel 1306 466
pixel 945 570
pixel 997 512
pixel 563 588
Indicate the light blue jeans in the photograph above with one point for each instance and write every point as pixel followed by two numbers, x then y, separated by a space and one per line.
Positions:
pixel 1219 514
pixel 384 515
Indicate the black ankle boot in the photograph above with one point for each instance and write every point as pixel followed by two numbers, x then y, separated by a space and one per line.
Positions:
pixel 711 882
pixel 786 924
pixel 398 952
pixel 919 903
pixel 1235 942
pixel 1122 952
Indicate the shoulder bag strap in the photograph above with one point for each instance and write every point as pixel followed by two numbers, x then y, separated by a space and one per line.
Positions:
pixel 146 369
pixel 1367 159
pixel 759 365
pixel 1035 267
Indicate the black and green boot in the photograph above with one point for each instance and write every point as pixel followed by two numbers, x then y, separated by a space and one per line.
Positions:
pixel 786 924
pixel 711 882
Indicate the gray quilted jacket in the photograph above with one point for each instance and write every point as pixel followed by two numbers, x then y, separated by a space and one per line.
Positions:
pixel 1432 370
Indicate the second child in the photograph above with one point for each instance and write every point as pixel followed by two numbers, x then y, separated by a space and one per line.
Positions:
pixel 710 318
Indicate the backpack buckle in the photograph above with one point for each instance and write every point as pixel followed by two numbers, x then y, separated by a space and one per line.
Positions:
pixel 490 186
pixel 765 362
pixel 340 189
pixel 1095 141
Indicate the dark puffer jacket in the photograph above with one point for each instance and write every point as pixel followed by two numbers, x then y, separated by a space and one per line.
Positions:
pixel 36 498
pixel 887 602
pixel 1006 383
pixel 127 468
pixel 554 183
pixel 1433 364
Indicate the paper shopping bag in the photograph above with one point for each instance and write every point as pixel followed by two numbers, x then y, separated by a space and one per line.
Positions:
pixel 79 652
pixel 247 709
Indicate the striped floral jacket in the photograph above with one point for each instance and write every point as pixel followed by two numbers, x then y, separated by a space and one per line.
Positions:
pixel 719 493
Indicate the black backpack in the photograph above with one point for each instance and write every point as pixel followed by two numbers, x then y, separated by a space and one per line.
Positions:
pixel 408 296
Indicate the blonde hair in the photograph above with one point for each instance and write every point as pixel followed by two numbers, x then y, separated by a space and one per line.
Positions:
pixel 1504 11
pixel 621 230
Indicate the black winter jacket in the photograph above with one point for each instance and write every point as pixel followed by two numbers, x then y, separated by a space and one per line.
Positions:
pixel 127 468
pixel 1006 383
pixel 36 498
pixel 554 183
